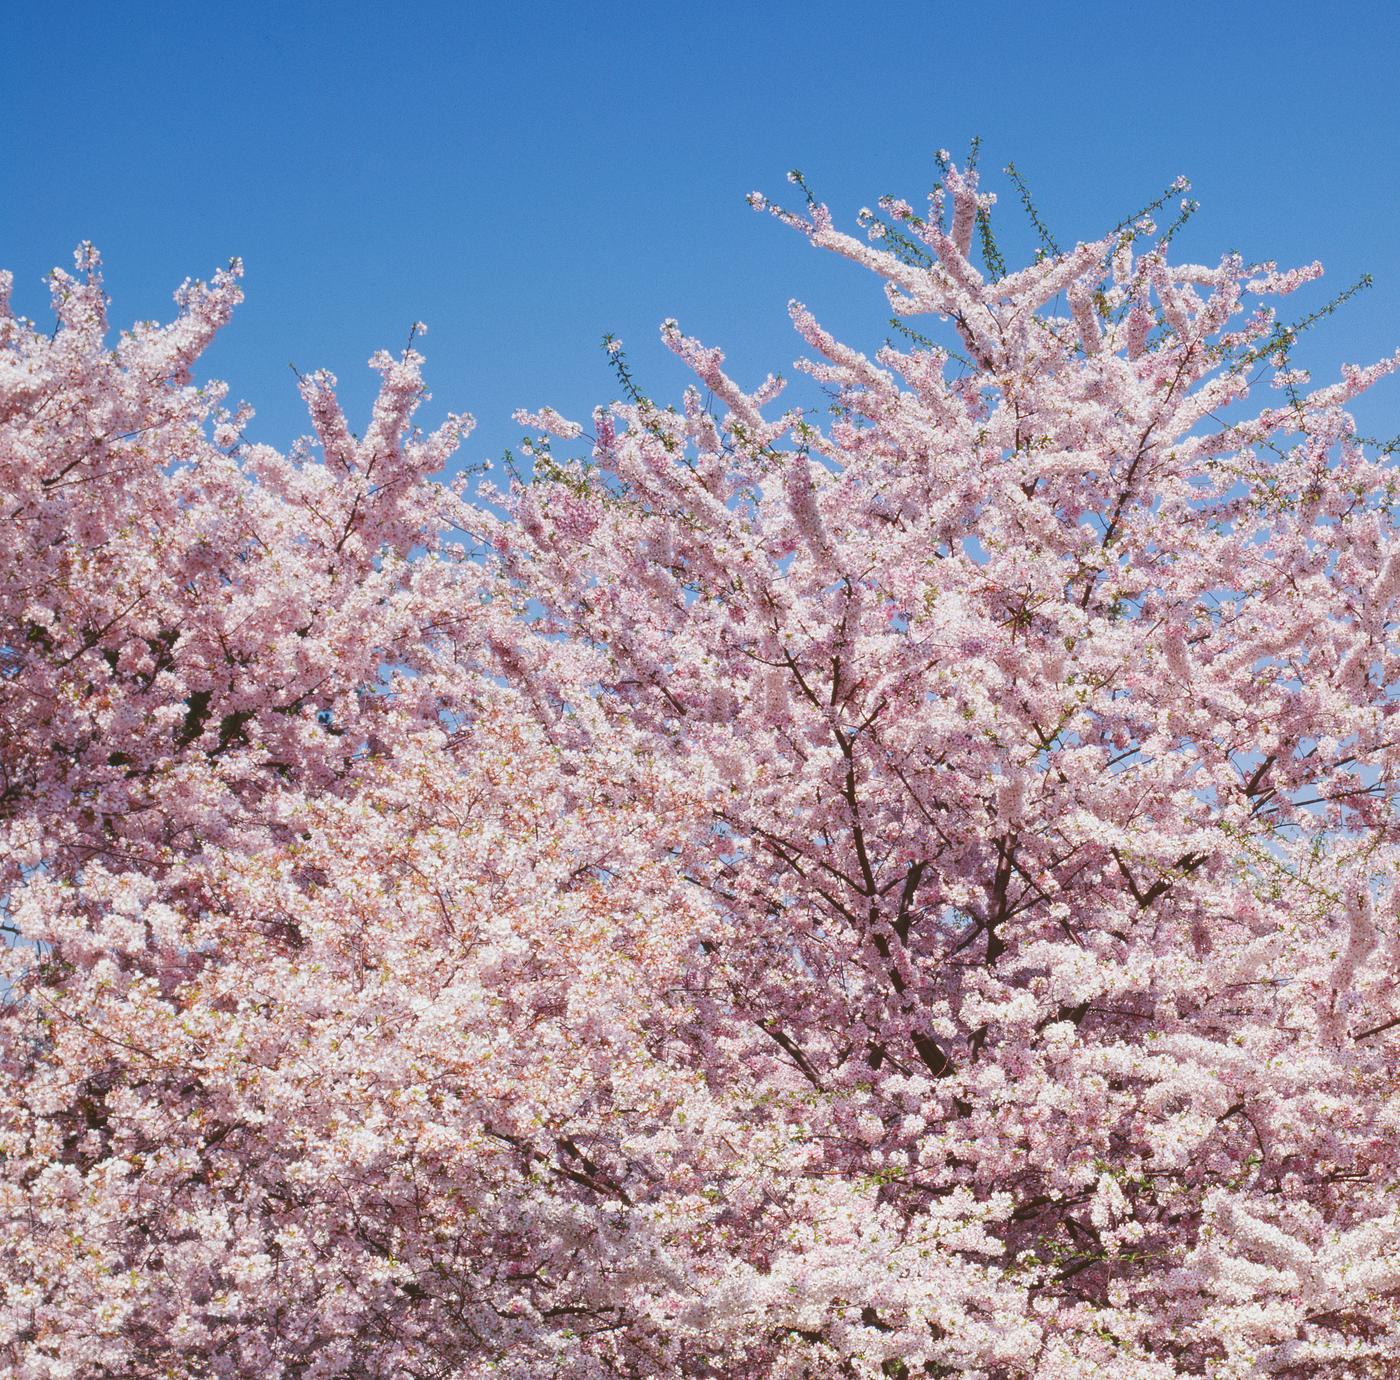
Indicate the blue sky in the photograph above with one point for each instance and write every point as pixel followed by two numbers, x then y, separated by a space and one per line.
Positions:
pixel 525 178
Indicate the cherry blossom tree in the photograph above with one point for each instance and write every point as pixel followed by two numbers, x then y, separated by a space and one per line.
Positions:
pixel 1042 702
pixel 907 889
pixel 186 620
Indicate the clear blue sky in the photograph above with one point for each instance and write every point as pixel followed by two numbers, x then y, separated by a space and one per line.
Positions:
pixel 524 178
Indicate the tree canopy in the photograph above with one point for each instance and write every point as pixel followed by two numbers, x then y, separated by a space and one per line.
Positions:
pixel 901 889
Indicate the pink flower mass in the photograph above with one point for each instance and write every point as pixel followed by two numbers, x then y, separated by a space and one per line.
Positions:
pixel 903 889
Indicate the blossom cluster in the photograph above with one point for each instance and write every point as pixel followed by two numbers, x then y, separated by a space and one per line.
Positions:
pixel 906 891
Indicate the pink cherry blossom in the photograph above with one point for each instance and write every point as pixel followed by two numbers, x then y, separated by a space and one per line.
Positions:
pixel 905 888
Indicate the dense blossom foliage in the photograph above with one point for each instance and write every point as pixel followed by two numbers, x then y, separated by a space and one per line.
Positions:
pixel 187 620
pixel 909 891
